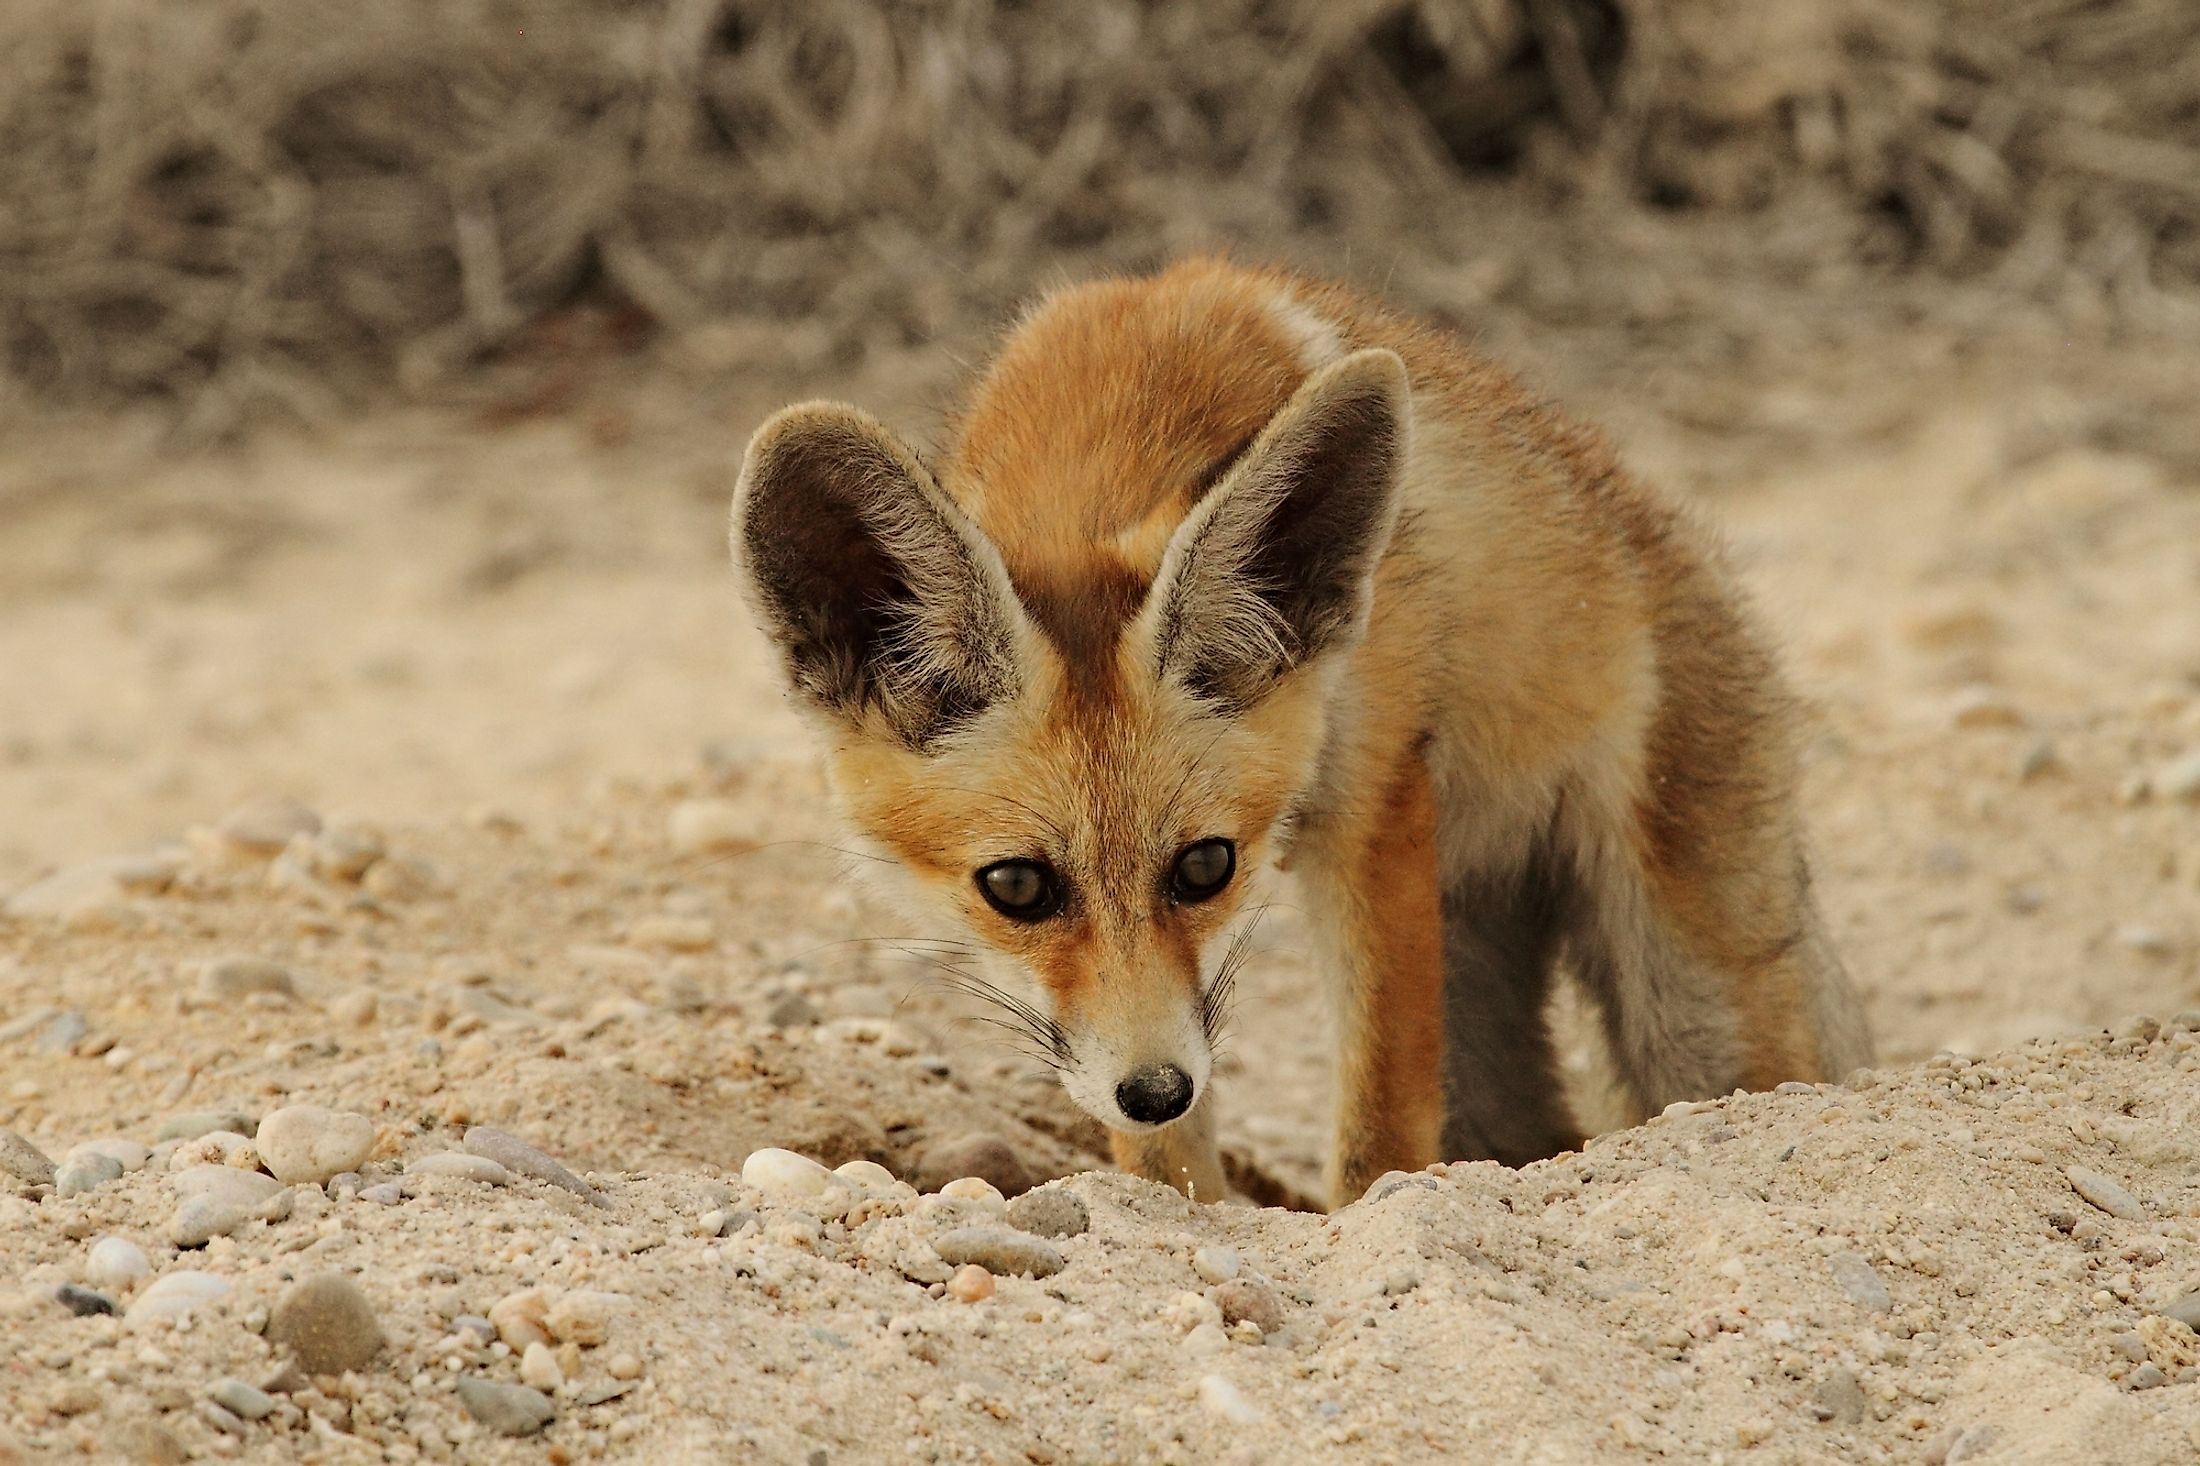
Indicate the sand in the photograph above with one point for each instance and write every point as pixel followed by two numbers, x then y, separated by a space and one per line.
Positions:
pixel 577 882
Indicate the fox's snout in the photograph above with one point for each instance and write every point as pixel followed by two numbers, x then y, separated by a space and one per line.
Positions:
pixel 1155 1095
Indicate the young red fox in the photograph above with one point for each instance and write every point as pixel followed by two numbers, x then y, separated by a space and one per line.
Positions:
pixel 1227 569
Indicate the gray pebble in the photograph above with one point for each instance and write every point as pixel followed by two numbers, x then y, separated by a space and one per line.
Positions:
pixel 2185 1310
pixel 345 1184
pixel 988 1157
pixel 84 1302
pixel 63 1032
pixel 326 1323
pixel 2147 1377
pixel 241 1399
pixel 1854 1275
pixel 506 1409
pixel 384 1193
pixel 2105 1194
pixel 999 1251
pixel 464 1166
pixel 2131 1346
pixel 1050 1212
pixel 1248 1300
pixel 792 1010
pixel 202 1218
pixel 1794 1086
pixel 194 1123
pixel 233 979
pixel 474 1323
pixel 1839 1397
pixel 522 1159
pixel 24 1161
pixel 85 1172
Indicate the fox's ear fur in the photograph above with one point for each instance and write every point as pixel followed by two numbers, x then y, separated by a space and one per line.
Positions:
pixel 1276 564
pixel 887 604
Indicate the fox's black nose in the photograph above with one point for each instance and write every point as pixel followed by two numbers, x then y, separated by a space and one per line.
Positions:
pixel 1155 1094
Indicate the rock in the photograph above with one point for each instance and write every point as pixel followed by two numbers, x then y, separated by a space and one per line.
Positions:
pixel 792 1010
pixel 1215 1264
pixel 464 1166
pixel 1225 1399
pixel 342 852
pixel 1050 1212
pixel 2130 1345
pixel 84 1302
pixel 973 1188
pixel 214 1148
pixel 125 1152
pixel 519 1318
pixel 194 1123
pixel 987 1157
pixel 326 1323
pixel 309 1143
pixel 24 1161
pixel 623 1367
pixel 142 1439
pixel 505 1409
pixel 202 1218
pixel 232 979
pixel 703 826
pixel 356 1008
pixel 172 1295
pixel 384 1193
pixel 788 1179
pixel 85 897
pixel 265 826
pixel 1248 1300
pixel 1839 1398
pixel 869 1175
pixel 2146 1377
pixel 2180 778
pixel 522 1159
pixel 2186 1310
pixel 399 880
pixel 241 1399
pixel 116 1262
pixel 970 1284
pixel 79 1174
pixel 1854 1275
pixel 63 1032
pixel 246 1189
pixel 1983 707
pixel 998 1250
pixel 673 933
pixel 583 1316
pixel 2105 1194
pixel 539 1367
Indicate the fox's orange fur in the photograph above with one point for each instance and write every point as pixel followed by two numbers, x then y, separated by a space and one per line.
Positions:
pixel 1229 555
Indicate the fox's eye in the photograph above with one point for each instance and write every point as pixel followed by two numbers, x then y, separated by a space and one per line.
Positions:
pixel 1021 890
pixel 1202 868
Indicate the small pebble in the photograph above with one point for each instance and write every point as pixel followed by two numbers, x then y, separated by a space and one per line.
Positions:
pixel 356 1008
pixel 125 1152
pixel 242 1188
pixel 326 1323
pixel 704 826
pixel 171 1295
pixel 999 1251
pixel 1248 1300
pixel 505 1409
pixel 82 1173
pixel 795 1180
pixel 384 1193
pixel 2106 1194
pixel 972 1188
pixel 311 1143
pixel 987 1157
pixel 62 1033
pixel 970 1284
pixel 241 1399
pixel 792 1010
pixel 265 826
pixel 465 1166
pixel 1839 1398
pixel 1215 1264
pixel 539 1367
pixel 1854 1275
pixel 2186 1310
pixel 24 1161
pixel 673 933
pixel 623 1367
pixel 1050 1212
pixel 518 1318
pixel 200 1219
pixel 84 1302
pixel 116 1262
pixel 225 980
pixel 870 1175
pixel 522 1159
pixel 2146 1377
pixel 583 1316
pixel 2131 1346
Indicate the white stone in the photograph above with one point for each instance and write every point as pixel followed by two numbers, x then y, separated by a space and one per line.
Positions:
pixel 539 1367
pixel 125 1152
pixel 583 1316
pixel 796 1180
pixel 309 1143
pixel 116 1263
pixel 458 1163
pixel 1215 1264
pixel 173 1295
pixel 972 1188
pixel 870 1175
pixel 1225 1399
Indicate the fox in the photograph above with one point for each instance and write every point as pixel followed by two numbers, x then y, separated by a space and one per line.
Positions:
pixel 1226 572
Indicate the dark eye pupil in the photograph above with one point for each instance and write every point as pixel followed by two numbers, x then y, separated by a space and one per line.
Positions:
pixel 1204 868
pixel 1020 888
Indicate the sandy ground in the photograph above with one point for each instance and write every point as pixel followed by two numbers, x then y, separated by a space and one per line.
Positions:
pixel 607 916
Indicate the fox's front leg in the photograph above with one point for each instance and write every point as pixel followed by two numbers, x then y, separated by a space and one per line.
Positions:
pixel 1376 891
pixel 1183 1155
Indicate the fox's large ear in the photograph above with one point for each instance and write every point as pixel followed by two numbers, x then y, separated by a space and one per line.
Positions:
pixel 886 602
pixel 1276 564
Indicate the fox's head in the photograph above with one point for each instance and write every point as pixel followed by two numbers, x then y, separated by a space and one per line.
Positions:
pixel 1078 685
